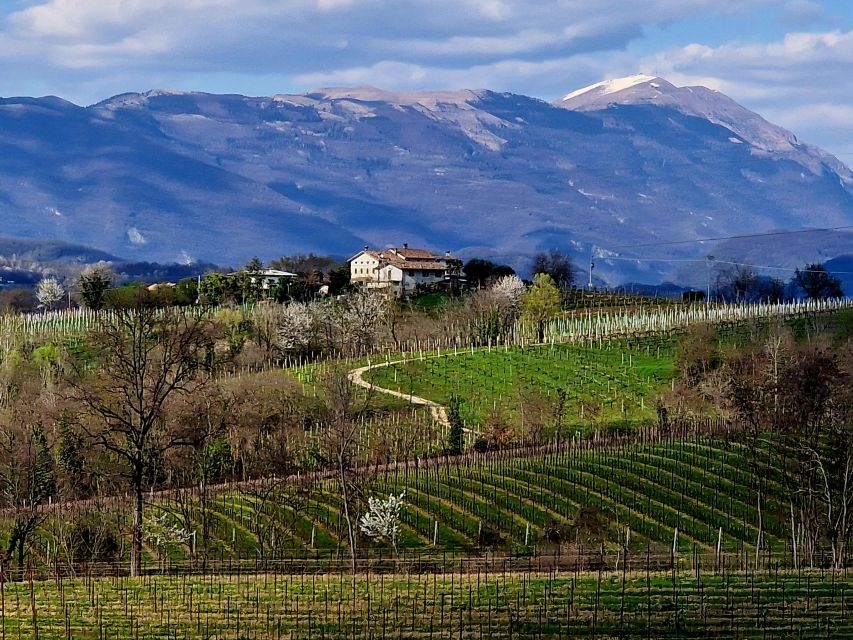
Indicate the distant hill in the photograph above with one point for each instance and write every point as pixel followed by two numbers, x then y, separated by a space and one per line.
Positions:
pixel 175 177
pixel 31 250
pixel 23 261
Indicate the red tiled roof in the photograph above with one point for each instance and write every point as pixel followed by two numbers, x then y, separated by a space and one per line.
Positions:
pixel 422 265
pixel 407 258
pixel 415 254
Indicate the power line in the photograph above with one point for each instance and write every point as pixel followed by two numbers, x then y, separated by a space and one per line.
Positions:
pixel 729 262
pixel 734 237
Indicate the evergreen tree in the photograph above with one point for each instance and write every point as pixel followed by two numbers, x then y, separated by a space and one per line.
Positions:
pixel 94 283
pixel 69 455
pixel 44 476
pixel 456 436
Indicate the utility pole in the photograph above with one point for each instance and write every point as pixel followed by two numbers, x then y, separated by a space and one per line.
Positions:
pixel 710 266
pixel 591 266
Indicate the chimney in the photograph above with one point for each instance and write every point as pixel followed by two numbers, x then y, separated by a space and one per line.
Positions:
pixel 365 247
pixel 446 254
pixel 405 245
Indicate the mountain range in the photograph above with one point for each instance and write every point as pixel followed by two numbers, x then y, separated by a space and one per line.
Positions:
pixel 617 170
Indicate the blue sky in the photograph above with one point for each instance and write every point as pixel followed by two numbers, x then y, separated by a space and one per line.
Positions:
pixel 790 60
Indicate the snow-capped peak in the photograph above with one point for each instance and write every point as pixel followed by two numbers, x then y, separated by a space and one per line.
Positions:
pixel 612 86
pixel 697 101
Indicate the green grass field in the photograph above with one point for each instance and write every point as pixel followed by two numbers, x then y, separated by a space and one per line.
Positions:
pixel 519 605
pixel 603 386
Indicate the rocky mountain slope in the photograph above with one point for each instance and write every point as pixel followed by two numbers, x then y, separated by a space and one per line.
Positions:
pixel 178 176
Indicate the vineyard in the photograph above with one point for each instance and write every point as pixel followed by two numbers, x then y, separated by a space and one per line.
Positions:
pixel 600 517
pixel 543 604
pixel 675 495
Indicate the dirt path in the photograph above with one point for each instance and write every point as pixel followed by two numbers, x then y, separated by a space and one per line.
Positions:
pixel 437 411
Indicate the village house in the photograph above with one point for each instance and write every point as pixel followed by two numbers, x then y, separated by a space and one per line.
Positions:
pixel 269 278
pixel 400 270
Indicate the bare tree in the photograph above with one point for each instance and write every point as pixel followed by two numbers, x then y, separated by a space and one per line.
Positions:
pixel 556 264
pixel 203 423
pixel 27 482
pixel 267 318
pixel 795 401
pixel 818 283
pixel 341 428
pixel 146 357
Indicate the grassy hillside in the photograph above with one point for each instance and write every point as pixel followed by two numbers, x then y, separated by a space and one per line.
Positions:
pixel 614 384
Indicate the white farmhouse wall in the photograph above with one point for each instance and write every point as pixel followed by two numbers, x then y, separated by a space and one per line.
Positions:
pixel 363 267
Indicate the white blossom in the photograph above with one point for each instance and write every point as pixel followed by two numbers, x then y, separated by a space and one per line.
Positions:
pixel 49 292
pixel 382 520
pixel 509 290
pixel 297 327
pixel 163 534
pixel 361 318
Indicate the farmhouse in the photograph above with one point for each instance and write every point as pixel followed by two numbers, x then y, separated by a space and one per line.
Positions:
pixel 399 270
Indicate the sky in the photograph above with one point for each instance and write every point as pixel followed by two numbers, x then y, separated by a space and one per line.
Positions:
pixel 789 60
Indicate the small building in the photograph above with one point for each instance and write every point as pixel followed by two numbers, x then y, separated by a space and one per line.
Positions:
pixel 157 286
pixel 271 277
pixel 400 270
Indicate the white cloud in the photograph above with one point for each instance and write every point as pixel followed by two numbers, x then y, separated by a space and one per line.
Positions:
pixel 305 35
pixel 553 76
pixel 135 236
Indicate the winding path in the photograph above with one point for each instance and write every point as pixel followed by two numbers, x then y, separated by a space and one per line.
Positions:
pixel 714 315
pixel 437 411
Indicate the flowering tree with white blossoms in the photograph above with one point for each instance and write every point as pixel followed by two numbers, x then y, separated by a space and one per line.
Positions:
pixel 509 290
pixel 382 520
pixel 361 317
pixel 49 293
pixel 296 328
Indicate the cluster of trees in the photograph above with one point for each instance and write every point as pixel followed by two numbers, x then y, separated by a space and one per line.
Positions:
pixel 744 284
pixel 312 273
pixel 481 273
pixel 141 402
pixel 140 405
pixel 794 399
pixel 96 287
